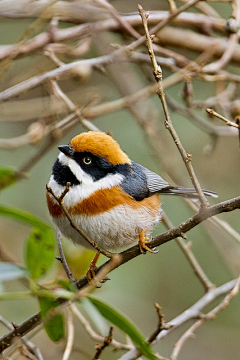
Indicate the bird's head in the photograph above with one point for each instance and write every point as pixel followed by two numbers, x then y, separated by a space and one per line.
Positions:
pixel 91 157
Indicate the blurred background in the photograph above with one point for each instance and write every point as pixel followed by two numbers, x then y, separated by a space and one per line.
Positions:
pixel 165 278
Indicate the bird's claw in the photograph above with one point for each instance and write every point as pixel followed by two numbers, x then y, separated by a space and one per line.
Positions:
pixel 90 274
pixel 143 241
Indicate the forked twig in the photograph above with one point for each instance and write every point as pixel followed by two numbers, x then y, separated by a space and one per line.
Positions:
pixel 202 318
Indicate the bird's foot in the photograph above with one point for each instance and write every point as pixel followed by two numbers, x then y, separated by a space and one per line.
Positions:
pixel 90 274
pixel 143 241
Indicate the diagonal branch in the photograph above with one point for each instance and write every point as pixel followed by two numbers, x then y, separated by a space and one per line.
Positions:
pixel 129 254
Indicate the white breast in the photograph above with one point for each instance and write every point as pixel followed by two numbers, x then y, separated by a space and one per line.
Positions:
pixel 116 229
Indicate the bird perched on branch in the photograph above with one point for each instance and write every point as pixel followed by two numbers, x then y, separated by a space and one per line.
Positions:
pixel 113 199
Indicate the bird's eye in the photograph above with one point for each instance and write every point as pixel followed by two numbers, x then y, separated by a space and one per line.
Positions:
pixel 87 160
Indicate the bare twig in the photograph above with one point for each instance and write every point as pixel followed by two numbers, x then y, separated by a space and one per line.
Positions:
pixel 66 69
pixel 122 22
pixel 92 333
pixel 190 256
pixel 129 254
pixel 107 341
pixel 168 123
pixel 191 313
pixel 70 336
pixel 32 348
pixel 210 315
pixel 62 258
pixel 232 42
pixel 99 277
pixel 228 122
pixel 161 324
pixel 73 108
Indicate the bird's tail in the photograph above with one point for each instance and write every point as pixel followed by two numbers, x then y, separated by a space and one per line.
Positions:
pixel 187 192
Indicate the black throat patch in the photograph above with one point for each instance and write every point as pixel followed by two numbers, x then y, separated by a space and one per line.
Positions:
pixel 62 174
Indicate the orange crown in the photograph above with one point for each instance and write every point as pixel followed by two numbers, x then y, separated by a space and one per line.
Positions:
pixel 100 144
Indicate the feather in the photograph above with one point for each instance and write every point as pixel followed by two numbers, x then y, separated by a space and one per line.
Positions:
pixel 142 183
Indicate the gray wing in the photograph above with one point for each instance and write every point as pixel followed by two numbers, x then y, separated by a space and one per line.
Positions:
pixel 155 182
pixel 142 183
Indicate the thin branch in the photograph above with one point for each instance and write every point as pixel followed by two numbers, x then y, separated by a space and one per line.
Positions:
pixel 232 42
pixel 190 256
pixel 75 32
pixel 191 313
pixel 157 71
pixel 121 20
pixel 161 324
pixel 228 122
pixel 210 315
pixel 70 336
pixel 129 254
pixel 72 107
pixel 92 333
pixel 32 348
pixel 66 69
pixel 62 258
pixel 107 341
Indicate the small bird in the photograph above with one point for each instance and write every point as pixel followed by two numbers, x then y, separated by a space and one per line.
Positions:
pixel 111 198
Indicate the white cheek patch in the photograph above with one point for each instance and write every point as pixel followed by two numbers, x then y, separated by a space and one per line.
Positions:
pixel 87 185
pixel 76 169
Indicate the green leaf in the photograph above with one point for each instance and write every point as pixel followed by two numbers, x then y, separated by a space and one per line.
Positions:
pixel 54 324
pixel 23 216
pixel 39 251
pixel 119 319
pixel 9 271
pixel 95 316
pixel 7 177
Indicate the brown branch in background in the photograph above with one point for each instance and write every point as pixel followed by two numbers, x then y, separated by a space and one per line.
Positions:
pixel 131 253
pixel 72 107
pixel 70 336
pixel 121 20
pixel 157 71
pixel 192 313
pixel 161 324
pixel 92 333
pixel 185 247
pixel 228 122
pixel 163 23
pixel 107 341
pixel 62 258
pixel 31 347
pixel 64 70
pixel 202 318
pixel 233 24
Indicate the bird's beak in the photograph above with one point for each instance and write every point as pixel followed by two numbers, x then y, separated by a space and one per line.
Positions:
pixel 66 150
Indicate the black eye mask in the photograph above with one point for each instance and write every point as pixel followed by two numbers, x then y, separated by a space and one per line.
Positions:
pixel 99 167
